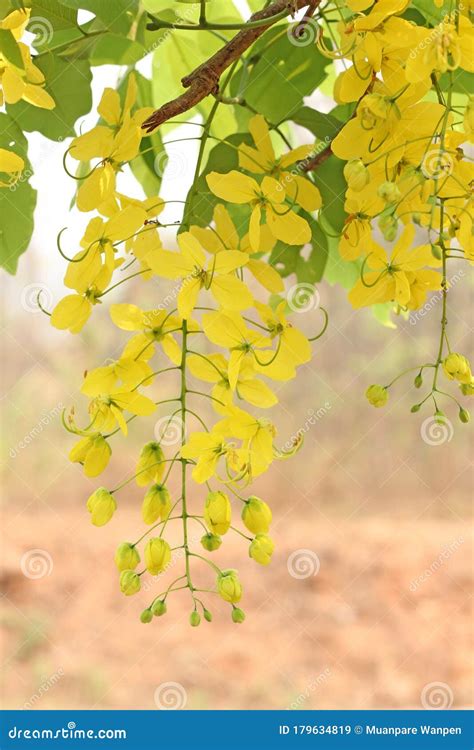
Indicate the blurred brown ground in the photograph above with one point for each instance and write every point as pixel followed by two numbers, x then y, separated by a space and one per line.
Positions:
pixel 375 503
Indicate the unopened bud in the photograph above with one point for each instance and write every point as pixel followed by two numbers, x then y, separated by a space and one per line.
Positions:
pixel 159 608
pixel 415 408
pixel 146 615
pixel 418 382
pixel 194 619
pixel 238 615
pixel 464 415
pixel 207 615
pixel 211 542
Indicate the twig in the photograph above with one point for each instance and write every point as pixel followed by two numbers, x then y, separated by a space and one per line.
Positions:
pixel 204 80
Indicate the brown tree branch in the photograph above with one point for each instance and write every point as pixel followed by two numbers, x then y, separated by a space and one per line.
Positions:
pixel 204 80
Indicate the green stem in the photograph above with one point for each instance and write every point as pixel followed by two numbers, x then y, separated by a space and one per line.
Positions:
pixel 184 462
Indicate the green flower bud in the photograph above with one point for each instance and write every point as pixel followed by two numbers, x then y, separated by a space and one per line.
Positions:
pixel 151 465
pixel 389 192
pixel 229 586
pixel 464 415
pixel 388 226
pixel 238 615
pixel 159 608
pixel 436 251
pixel 377 395
pixel 440 416
pixel 211 542
pixel 157 555
pixel 156 504
pixel 418 382
pixel 102 506
pixel 356 174
pixel 146 615
pixel 126 556
pixel 467 389
pixel 194 619
pixel 256 515
pixel 207 615
pixel 456 367
pixel 415 408
pixel 217 512
pixel 261 549
pixel 129 582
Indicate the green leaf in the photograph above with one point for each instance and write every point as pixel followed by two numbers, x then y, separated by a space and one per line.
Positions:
pixel 143 166
pixel 10 49
pixel 52 12
pixel 323 126
pixel 69 85
pixel 330 180
pixel 116 15
pixel 430 11
pixel 222 158
pixel 283 74
pixel 17 204
pixel 112 49
pixel 288 259
pixel 463 81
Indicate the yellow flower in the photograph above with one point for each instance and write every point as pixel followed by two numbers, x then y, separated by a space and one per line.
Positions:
pixel 456 367
pixel 156 504
pixel 394 279
pixel 156 326
pixel 446 47
pixel 157 555
pixel 11 164
pixel 224 236
pixel 126 556
pixel 72 312
pixel 106 408
pixel 217 512
pixel 129 582
pixel 262 160
pixel 207 448
pixel 257 434
pixel 95 264
pixel 129 371
pixel 114 144
pixel 101 505
pixel 198 273
pixel 151 464
pixel 261 549
pixel 229 331
pixel 229 586
pixel 214 369
pixel 266 201
pixel 293 348
pixel 93 452
pixel 24 80
pixel 256 515
pixel 377 395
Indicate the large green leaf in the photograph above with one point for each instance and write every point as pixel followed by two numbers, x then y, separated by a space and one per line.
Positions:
pixel 116 15
pixel 283 74
pixel 330 180
pixel 69 85
pixel 9 49
pixel 289 259
pixel 143 166
pixel 17 204
pixel 323 126
pixel 112 49
pixel 53 12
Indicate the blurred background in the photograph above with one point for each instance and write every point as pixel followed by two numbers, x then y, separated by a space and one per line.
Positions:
pixel 367 603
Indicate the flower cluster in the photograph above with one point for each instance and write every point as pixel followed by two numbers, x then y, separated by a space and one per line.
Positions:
pixel 409 178
pixel 254 344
